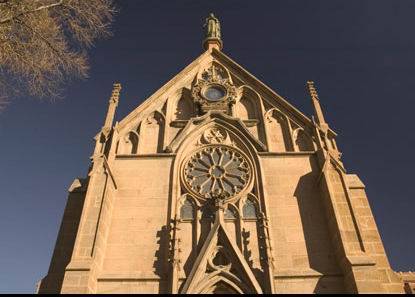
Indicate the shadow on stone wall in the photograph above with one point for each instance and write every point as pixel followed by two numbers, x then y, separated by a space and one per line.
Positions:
pixel 320 251
pixel 52 282
pixel 160 264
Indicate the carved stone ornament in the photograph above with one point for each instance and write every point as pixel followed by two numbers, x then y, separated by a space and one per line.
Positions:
pixel 219 259
pixel 214 92
pixel 217 169
pixel 215 135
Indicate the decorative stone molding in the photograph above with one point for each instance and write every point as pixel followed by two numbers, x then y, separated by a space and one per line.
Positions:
pixel 217 168
pixel 215 135
pixel 214 92
pixel 78 185
pixel 234 127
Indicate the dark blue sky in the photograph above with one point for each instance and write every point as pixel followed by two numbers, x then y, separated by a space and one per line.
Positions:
pixel 361 54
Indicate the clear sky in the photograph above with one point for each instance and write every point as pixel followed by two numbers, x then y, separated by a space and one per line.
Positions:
pixel 361 55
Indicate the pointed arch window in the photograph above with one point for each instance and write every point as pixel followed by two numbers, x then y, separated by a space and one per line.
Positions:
pixel 230 214
pixel 249 210
pixel 187 211
pixel 303 141
pixel 133 139
pixel 246 109
pixel 184 109
pixel 128 144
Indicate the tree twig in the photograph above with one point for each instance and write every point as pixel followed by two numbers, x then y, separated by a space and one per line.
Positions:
pixel 60 2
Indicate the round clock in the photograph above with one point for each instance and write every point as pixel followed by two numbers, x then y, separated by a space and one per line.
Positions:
pixel 214 93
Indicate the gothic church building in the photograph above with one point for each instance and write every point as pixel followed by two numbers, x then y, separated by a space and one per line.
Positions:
pixel 216 184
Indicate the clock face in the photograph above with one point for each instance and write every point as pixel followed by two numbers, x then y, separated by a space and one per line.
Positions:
pixel 214 93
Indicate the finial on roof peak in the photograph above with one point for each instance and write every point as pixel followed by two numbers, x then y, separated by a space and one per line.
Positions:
pixel 213 36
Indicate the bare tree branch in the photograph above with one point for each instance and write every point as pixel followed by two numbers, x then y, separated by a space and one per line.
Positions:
pixel 30 11
pixel 43 43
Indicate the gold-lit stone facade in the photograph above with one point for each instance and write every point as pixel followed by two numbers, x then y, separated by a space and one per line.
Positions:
pixel 223 190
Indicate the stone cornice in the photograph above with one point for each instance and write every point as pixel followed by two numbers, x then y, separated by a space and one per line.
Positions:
pixel 238 70
pixel 145 156
pixel 128 276
pixel 279 154
pixel 306 273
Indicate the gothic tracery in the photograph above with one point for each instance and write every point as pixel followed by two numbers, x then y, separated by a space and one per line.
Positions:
pixel 217 168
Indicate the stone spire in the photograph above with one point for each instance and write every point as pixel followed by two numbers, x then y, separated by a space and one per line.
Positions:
pixel 316 105
pixel 212 33
pixel 113 103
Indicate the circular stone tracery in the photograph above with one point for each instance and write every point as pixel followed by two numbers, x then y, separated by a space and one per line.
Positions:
pixel 217 169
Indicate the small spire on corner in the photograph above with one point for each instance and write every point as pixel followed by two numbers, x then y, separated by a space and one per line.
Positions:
pixel 113 103
pixel 316 104
pixel 115 95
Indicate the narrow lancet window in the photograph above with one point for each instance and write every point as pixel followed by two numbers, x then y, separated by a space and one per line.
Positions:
pixel 133 141
pixel 230 214
pixel 249 210
pixel 187 211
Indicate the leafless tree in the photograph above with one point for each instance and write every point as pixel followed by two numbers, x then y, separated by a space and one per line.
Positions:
pixel 44 43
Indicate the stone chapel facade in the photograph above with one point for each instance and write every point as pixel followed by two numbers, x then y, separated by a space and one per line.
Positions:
pixel 216 184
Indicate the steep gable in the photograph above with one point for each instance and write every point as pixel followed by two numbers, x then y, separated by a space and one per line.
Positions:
pixel 255 104
pixel 240 74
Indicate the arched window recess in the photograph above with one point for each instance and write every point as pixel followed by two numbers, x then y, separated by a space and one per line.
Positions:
pixel 302 140
pixel 276 113
pixel 250 208
pixel 187 209
pixel 231 213
pixel 128 144
pixel 182 108
pixel 248 107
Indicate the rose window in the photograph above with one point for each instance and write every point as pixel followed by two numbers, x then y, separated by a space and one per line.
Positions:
pixel 217 169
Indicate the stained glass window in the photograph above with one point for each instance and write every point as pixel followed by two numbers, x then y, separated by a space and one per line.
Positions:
pixel 217 168
pixel 230 214
pixel 187 211
pixel 249 209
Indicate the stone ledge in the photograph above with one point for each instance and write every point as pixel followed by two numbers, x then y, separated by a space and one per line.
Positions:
pixel 354 182
pixel 178 123
pixel 361 260
pixel 145 156
pixel 294 154
pixel 79 185
pixel 308 273
pixel 406 275
pixel 79 265
pixel 128 276
pixel 251 123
